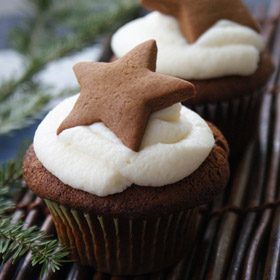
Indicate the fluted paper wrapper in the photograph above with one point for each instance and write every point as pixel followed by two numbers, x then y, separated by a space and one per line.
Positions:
pixel 236 118
pixel 124 246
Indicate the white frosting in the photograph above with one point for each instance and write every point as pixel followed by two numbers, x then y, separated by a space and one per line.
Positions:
pixel 92 158
pixel 226 48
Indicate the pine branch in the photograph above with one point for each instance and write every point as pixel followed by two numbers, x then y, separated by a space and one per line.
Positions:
pixel 9 87
pixel 10 177
pixel 13 116
pixel 5 204
pixel 10 182
pixel 15 239
pixel 33 103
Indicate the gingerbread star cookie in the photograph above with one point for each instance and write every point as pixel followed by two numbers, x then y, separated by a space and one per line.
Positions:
pixel 197 16
pixel 123 94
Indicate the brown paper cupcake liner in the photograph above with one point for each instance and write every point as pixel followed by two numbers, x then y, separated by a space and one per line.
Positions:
pixel 124 246
pixel 236 118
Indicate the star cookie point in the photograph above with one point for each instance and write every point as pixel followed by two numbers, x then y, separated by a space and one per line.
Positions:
pixel 123 94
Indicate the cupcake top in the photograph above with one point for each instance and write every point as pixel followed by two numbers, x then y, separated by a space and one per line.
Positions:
pixel 125 127
pixel 215 45
pixel 196 39
pixel 226 48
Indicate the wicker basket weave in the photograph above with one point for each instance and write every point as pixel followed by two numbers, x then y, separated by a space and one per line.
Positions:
pixel 239 233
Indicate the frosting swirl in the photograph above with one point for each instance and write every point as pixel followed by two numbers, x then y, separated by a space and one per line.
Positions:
pixel 92 158
pixel 227 48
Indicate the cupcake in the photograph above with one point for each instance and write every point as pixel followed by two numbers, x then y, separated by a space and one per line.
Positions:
pixel 123 166
pixel 216 45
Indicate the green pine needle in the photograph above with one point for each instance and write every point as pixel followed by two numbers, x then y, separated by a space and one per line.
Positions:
pixel 14 117
pixel 15 239
pixel 10 176
pixel 5 204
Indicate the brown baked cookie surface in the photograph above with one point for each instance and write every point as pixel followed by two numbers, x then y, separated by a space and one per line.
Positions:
pixel 105 94
pixel 195 17
pixel 136 201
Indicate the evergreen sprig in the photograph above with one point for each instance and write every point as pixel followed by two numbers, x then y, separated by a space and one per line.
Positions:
pixel 10 177
pixel 5 203
pixel 15 239
pixel 32 101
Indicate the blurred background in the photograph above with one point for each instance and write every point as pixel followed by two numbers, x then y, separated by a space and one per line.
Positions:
pixel 40 40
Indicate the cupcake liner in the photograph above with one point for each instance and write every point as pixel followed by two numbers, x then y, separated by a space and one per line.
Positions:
pixel 236 118
pixel 124 246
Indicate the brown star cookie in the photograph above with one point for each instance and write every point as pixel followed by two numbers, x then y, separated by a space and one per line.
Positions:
pixel 197 16
pixel 124 93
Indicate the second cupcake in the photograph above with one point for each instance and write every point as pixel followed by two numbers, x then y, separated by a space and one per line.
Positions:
pixel 217 46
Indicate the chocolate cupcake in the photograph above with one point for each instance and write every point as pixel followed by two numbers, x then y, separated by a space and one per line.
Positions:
pixel 123 166
pixel 216 45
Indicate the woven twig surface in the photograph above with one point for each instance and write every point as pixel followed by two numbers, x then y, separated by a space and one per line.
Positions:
pixel 238 236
